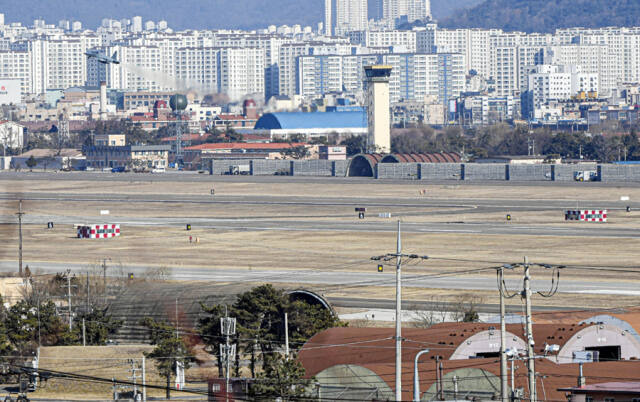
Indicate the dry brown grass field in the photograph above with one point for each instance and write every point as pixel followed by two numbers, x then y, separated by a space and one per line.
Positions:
pixel 327 250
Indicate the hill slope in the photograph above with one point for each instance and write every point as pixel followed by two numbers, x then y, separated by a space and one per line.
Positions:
pixel 546 15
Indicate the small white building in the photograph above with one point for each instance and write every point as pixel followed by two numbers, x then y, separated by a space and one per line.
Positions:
pixel 11 135
pixel 549 82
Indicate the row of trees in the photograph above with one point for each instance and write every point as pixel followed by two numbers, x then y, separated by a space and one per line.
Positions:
pixel 36 321
pixel 507 140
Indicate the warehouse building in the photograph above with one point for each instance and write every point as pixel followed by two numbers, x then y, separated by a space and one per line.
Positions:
pixel 313 124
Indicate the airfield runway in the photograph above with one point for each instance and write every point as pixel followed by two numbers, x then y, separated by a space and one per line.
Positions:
pixel 298 208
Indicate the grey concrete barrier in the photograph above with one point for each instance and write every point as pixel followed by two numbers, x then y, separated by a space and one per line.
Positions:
pixel 313 167
pixel 613 173
pixel 567 172
pixel 529 172
pixel 221 166
pixel 262 167
pixel 440 171
pixel 407 171
pixel 484 171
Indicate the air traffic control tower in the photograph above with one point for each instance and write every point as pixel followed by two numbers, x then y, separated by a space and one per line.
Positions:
pixel 378 105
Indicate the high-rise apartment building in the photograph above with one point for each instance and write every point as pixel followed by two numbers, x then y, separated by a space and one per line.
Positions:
pixel 342 16
pixel 414 76
pixel 412 10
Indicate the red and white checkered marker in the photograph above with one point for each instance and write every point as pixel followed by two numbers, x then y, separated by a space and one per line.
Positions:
pixel 586 215
pixel 98 231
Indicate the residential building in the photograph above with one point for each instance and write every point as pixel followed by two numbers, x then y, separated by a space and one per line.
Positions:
pixel 109 140
pixel 343 16
pixel 12 135
pixel 129 156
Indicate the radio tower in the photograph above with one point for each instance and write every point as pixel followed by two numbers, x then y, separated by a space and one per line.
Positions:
pixel 178 104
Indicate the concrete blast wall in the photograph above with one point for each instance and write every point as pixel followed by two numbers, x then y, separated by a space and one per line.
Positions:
pixel 263 167
pixel 567 172
pixel 221 166
pixel 612 173
pixel 397 171
pixel 489 171
pixel 530 172
pixel 440 171
pixel 314 167
pixel 434 171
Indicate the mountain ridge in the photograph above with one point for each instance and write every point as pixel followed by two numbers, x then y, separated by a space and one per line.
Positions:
pixel 546 15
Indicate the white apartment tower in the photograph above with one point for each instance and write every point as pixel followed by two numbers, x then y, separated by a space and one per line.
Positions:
pixel 342 16
pixel 411 9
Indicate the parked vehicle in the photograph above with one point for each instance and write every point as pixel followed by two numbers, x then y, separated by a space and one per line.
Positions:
pixel 118 169
pixel 158 170
pixel 585 175
pixel 239 169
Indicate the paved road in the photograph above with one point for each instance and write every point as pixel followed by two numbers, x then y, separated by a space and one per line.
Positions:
pixel 339 280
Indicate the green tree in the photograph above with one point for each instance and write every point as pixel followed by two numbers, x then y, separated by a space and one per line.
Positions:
pixel 260 323
pixel 31 162
pixel 5 344
pixel 355 144
pixel 295 152
pixel 98 327
pixel 282 379
pixel 209 328
pixel 170 350
pixel 29 325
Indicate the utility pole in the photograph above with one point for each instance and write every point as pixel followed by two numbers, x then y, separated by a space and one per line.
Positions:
pixel 104 278
pixel 87 302
pixel 399 316
pixel 398 256
pixel 530 352
pixel 84 333
pixel 134 368
pixel 20 213
pixel 228 328
pixel 286 336
pixel 69 295
pixel 144 380
pixel 503 341
pixel 177 329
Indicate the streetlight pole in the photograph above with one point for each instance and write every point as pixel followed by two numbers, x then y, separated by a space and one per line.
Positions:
pixel 416 377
